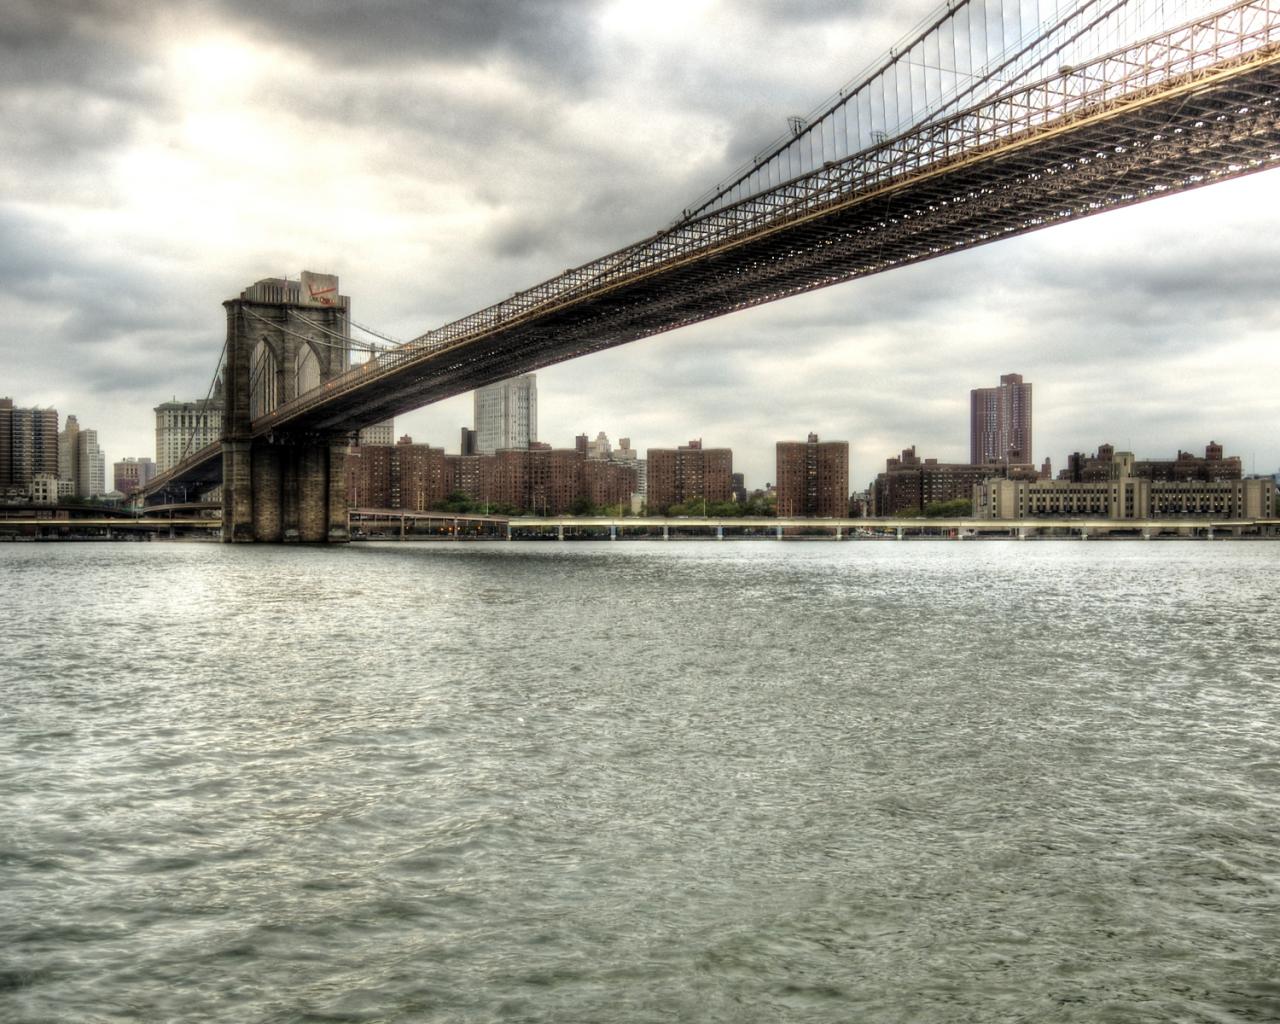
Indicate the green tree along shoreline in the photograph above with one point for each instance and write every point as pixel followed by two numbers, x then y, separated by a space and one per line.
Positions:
pixel 757 505
pixel 460 504
pixel 957 508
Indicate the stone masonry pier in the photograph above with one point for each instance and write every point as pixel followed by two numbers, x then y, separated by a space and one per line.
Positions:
pixel 284 485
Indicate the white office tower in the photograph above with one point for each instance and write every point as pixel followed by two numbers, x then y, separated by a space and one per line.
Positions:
pixel 506 414
pixel 91 465
pixel 185 427
pixel 383 433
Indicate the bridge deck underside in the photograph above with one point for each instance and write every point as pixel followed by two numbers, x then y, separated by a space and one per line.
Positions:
pixel 1138 151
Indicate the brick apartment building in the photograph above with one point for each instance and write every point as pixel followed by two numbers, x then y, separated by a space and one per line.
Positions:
pixel 910 483
pixel 541 479
pixel 1106 464
pixel 686 473
pixel 813 478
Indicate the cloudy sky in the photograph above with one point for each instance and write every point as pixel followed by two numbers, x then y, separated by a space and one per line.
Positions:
pixel 157 157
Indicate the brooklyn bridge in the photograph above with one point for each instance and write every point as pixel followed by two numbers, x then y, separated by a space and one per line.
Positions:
pixel 999 118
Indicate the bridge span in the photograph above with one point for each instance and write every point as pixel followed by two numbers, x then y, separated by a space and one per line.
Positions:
pixel 1042 133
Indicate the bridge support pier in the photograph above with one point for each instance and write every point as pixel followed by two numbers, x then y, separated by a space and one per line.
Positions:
pixel 287 485
pixel 285 490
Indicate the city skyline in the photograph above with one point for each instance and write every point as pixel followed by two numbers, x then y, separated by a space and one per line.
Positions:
pixel 1151 327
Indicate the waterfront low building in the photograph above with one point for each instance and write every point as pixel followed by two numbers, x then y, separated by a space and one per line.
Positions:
pixel 1125 497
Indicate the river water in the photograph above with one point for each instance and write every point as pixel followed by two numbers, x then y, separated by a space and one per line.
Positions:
pixel 640 781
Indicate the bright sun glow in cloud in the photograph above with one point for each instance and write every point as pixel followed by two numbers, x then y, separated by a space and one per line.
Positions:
pixel 653 19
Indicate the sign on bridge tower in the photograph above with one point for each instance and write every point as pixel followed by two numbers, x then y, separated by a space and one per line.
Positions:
pixel 284 339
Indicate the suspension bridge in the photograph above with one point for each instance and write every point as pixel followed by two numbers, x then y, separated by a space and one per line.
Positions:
pixel 996 118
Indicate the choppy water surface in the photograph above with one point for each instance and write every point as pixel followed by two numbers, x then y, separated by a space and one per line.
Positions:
pixel 640 782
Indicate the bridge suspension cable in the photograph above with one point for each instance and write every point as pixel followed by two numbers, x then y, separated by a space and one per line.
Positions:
pixel 195 420
pixel 967 52
pixel 377 334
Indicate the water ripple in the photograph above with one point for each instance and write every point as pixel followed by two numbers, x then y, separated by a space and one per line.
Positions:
pixel 640 782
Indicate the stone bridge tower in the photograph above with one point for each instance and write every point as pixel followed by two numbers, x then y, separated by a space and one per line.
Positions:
pixel 283 338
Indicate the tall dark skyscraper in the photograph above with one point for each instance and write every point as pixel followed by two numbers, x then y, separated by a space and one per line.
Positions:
pixel 1000 422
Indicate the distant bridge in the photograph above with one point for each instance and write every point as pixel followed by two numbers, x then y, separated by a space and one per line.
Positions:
pixel 998 119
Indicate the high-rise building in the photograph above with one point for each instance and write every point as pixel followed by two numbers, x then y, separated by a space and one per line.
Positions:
pixel 628 456
pixel 91 465
pixel 67 454
pixel 403 475
pixel 131 474
pixel 813 478
pixel 1000 423
pixel 185 427
pixel 506 414
pixel 28 445
pixel 601 450
pixel 677 475
pixel 379 433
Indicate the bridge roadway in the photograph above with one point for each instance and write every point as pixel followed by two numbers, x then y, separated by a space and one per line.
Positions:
pixel 41 520
pixel 109 525
pixel 1190 107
